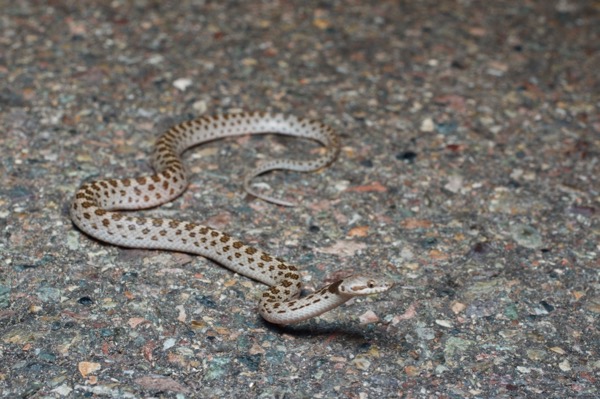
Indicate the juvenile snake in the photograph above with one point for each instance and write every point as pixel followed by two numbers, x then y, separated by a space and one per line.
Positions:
pixel 94 205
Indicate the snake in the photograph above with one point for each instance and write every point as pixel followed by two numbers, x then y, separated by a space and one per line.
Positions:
pixel 97 210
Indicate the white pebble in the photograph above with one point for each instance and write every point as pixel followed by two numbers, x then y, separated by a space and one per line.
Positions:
pixel 182 83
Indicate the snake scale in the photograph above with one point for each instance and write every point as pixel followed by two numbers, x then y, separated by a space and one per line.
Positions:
pixel 95 205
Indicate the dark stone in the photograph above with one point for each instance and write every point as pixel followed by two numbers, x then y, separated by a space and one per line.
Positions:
pixel 206 301
pixel 406 156
pixel 85 301
pixel 547 306
pixel 252 362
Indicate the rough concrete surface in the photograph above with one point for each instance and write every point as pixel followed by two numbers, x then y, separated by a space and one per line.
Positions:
pixel 469 174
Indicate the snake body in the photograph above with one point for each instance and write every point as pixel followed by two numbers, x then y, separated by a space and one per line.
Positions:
pixel 95 205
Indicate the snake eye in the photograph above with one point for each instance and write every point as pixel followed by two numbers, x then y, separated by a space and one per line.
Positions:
pixel 371 284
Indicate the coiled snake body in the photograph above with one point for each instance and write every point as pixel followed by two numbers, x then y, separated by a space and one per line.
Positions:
pixel 95 204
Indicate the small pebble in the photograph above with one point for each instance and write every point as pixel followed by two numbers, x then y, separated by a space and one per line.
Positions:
pixel 182 83
pixel 407 156
pixel 427 125
pixel 85 300
pixel 526 236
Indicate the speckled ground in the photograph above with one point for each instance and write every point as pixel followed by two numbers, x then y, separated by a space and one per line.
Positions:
pixel 470 174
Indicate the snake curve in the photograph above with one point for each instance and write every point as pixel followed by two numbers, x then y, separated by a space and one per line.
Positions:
pixel 95 205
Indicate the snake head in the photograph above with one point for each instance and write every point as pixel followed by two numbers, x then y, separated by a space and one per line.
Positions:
pixel 361 285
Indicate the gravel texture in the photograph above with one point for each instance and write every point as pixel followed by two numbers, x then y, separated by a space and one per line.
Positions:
pixel 470 174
